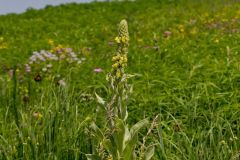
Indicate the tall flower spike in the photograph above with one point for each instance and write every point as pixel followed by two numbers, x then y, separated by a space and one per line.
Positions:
pixel 123 31
pixel 118 77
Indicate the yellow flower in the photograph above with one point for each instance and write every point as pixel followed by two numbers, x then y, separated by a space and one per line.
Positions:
pixel 115 58
pixel 115 65
pixel 117 40
pixel 118 74
pixel 51 42
pixel 193 31
pixel 216 41
pixel 181 28
pixel 109 157
pixel 37 115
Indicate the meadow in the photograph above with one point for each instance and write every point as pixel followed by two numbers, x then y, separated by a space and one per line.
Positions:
pixel 183 71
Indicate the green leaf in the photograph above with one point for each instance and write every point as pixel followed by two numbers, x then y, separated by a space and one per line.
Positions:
pixel 97 132
pixel 92 157
pixel 121 135
pixel 129 150
pixel 149 153
pixel 135 128
pixel 100 99
pixel 108 145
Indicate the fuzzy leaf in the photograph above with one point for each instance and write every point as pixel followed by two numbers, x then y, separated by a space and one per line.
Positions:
pixel 149 153
pixel 129 150
pixel 135 128
pixel 100 99
pixel 122 135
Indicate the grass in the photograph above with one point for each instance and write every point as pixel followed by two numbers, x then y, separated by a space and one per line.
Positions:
pixel 190 76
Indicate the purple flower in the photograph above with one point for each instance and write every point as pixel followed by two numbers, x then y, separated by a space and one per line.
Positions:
pixel 49 65
pixel 27 68
pixel 68 50
pixel 98 70
pixel 72 54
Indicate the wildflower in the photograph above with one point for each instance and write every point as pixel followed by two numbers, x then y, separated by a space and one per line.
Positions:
pixel 109 157
pixel 62 83
pixel 167 34
pixel 115 65
pixel 223 142
pixel 49 65
pixel 51 42
pixel 193 31
pixel 68 50
pixel 27 68
pixel 115 58
pixel 37 115
pixel 117 40
pixel 181 28
pixel 44 69
pixel 73 55
pixel 98 70
pixel 120 59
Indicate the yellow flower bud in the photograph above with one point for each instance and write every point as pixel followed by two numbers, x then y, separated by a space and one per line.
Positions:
pixel 118 74
pixel 123 30
pixel 115 65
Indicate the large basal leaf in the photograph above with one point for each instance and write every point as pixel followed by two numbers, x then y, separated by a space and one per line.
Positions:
pixel 118 134
pixel 149 153
pixel 129 150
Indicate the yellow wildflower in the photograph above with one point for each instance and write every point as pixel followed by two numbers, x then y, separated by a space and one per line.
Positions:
pixel 51 42
pixel 118 73
pixel 181 28
pixel 117 40
pixel 216 41
pixel 115 65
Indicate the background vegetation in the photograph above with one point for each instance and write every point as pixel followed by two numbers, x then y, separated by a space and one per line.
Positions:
pixel 185 55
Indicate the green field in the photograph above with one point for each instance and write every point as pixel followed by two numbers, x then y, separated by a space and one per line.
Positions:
pixel 184 56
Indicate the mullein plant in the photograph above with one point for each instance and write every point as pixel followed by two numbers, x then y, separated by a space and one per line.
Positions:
pixel 116 141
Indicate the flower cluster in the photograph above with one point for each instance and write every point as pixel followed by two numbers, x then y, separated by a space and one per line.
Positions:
pixel 120 59
pixel 119 63
pixel 50 61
